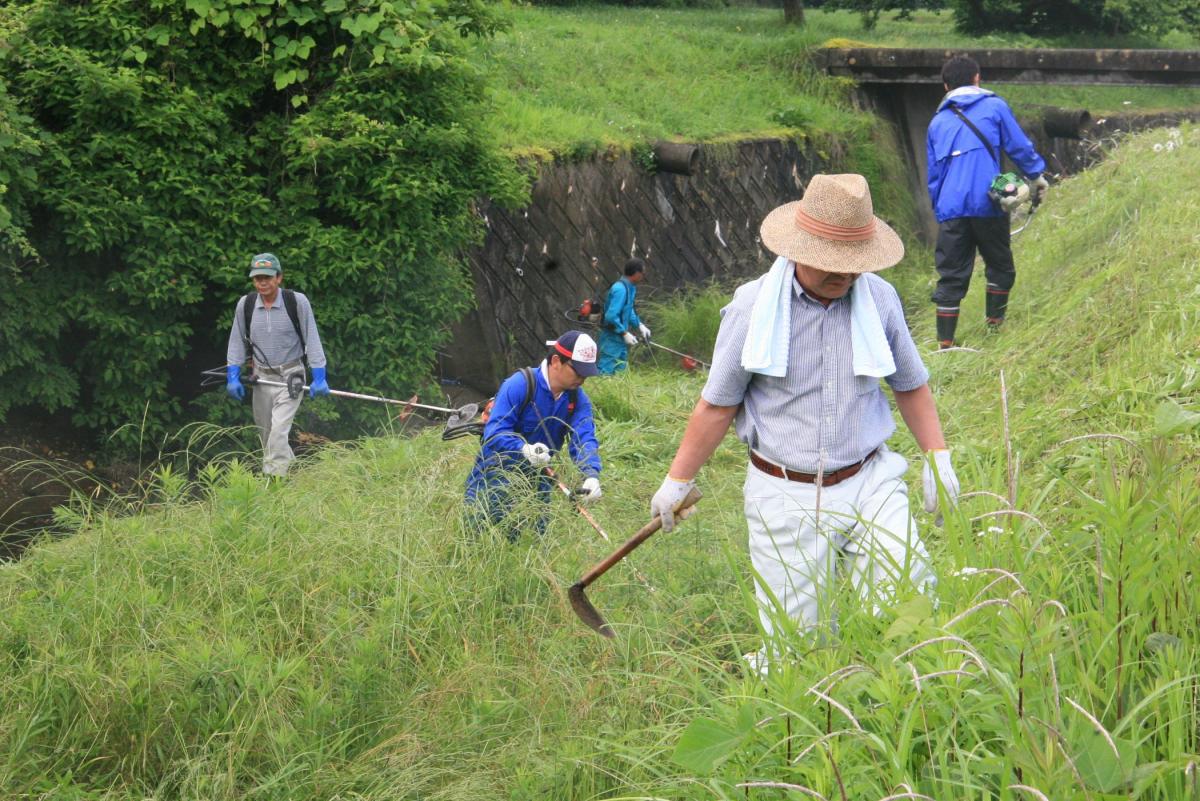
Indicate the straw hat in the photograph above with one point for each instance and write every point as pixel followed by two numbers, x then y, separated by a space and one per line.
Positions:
pixel 833 228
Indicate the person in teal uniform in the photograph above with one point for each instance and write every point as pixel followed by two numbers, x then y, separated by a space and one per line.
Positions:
pixel 621 320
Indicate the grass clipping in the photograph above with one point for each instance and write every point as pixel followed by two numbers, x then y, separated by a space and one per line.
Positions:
pixel 340 636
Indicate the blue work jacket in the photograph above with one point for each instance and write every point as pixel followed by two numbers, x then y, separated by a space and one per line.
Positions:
pixel 960 167
pixel 544 420
pixel 619 314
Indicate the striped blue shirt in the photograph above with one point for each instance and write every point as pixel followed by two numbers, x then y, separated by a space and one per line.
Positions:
pixel 820 408
pixel 273 335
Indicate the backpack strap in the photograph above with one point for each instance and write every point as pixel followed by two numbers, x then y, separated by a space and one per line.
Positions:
pixel 991 151
pixel 530 383
pixel 572 402
pixel 247 317
pixel 293 312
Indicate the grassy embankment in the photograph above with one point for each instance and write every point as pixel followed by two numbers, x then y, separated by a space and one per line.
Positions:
pixel 340 637
pixel 573 81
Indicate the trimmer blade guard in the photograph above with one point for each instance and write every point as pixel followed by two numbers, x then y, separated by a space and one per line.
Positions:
pixel 463 414
pixel 588 613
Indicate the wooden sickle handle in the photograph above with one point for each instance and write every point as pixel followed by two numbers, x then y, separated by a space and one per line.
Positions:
pixel 644 534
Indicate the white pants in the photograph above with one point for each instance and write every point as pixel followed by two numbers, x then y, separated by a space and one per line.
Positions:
pixel 273 413
pixel 863 521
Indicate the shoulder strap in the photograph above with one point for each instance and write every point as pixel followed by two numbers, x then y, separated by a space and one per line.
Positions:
pixel 293 313
pixel 991 151
pixel 247 317
pixel 530 383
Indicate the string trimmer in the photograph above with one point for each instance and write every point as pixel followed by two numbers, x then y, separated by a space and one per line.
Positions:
pixel 295 386
pixel 1019 220
pixel 590 313
pixel 685 361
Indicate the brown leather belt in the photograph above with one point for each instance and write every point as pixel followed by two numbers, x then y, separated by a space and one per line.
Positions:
pixel 828 480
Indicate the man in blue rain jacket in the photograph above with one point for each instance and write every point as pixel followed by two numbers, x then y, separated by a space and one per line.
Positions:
pixel 961 169
pixel 621 320
pixel 528 424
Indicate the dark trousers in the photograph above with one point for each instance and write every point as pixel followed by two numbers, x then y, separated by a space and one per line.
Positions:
pixel 954 258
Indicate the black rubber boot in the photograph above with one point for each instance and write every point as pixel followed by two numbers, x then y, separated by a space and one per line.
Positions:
pixel 997 306
pixel 947 321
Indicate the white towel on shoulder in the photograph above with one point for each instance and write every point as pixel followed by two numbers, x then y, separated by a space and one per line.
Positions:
pixel 768 337
pixel 872 353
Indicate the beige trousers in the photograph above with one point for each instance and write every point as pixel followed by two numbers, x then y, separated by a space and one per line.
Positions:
pixel 273 413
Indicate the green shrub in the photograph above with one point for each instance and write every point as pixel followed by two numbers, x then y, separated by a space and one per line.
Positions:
pixel 177 138
pixel 1049 17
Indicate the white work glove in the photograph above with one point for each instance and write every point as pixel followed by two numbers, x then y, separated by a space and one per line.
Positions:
pixel 1039 186
pixel 939 461
pixel 644 330
pixel 537 453
pixel 589 490
pixel 667 500
pixel 629 338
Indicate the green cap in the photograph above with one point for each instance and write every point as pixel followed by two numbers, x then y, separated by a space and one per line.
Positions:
pixel 265 264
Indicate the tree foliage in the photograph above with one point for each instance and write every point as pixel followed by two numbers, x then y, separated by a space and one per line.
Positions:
pixel 871 10
pixel 1044 17
pixel 148 148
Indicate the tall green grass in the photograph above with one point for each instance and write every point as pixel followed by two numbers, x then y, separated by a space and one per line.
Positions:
pixel 575 81
pixel 341 636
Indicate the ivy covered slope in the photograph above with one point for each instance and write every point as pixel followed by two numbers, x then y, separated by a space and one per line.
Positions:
pixel 148 149
pixel 339 636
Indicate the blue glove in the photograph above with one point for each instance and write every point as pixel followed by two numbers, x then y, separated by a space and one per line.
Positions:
pixel 318 385
pixel 233 381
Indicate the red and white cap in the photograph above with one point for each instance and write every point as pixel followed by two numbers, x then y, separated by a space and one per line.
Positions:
pixel 580 349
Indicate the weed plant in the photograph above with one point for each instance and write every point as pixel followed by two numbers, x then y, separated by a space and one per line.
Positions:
pixel 340 635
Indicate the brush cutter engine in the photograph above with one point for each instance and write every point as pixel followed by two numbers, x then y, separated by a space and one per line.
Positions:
pixel 1008 190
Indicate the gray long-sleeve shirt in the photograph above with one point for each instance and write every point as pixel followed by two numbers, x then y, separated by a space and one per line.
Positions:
pixel 274 337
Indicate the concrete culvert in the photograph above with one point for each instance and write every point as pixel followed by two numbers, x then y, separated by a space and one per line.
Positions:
pixel 1066 123
pixel 677 157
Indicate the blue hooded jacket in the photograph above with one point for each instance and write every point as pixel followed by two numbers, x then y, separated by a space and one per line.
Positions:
pixel 960 167
pixel 545 421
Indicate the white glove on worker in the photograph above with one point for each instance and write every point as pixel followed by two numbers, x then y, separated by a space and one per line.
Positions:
pixel 629 338
pixel 938 467
pixel 667 500
pixel 589 490
pixel 644 330
pixel 1038 187
pixel 537 453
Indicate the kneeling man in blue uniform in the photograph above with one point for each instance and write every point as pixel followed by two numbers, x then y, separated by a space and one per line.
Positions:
pixel 536 411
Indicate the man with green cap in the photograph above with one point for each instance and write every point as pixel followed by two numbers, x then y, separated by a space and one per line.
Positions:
pixel 274 330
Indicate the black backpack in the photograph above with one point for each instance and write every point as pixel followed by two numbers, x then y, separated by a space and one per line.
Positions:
pixel 293 313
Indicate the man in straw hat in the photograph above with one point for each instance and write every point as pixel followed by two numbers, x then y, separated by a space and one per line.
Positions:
pixel 797 364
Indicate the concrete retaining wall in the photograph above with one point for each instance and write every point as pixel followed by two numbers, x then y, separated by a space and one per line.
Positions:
pixel 585 219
